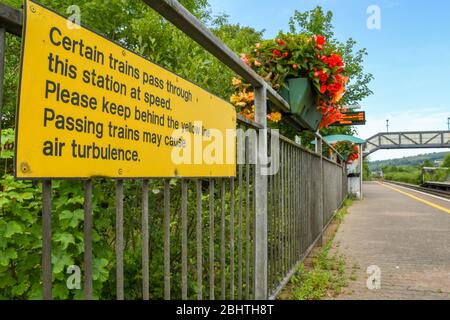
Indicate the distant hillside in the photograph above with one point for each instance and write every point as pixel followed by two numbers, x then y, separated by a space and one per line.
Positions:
pixel 407 161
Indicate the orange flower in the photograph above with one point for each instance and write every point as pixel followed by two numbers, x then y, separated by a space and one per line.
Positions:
pixel 338 95
pixel 236 82
pixel 234 99
pixel 245 59
pixel 274 116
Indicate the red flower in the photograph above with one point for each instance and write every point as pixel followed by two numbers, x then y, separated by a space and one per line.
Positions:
pixel 334 60
pixel 294 66
pixel 276 53
pixel 281 42
pixel 320 40
pixel 286 55
pixel 323 88
pixel 323 77
pixel 330 116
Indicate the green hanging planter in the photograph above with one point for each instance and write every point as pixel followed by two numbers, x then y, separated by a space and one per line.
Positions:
pixel 300 96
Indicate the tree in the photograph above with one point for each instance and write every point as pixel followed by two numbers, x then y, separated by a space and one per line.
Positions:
pixel 446 162
pixel 427 163
pixel 367 174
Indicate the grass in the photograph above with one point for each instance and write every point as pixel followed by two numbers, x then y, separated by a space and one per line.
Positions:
pixel 325 275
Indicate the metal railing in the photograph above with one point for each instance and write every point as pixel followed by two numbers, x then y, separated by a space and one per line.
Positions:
pixel 234 238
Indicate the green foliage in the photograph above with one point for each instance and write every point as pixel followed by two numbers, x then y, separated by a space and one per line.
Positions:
pixel 427 164
pixel 21 240
pixel 367 174
pixel 327 274
pixel 439 175
pixel 402 174
pixel 407 161
pixel 446 162
pixel 413 174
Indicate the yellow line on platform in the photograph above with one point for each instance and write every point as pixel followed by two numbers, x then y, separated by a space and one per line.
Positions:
pixel 431 204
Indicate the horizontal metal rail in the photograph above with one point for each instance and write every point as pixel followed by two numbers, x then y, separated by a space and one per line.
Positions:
pixel 11 19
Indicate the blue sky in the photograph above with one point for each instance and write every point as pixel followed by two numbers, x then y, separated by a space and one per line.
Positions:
pixel 409 56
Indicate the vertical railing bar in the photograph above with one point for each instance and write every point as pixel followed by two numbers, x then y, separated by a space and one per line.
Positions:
pixel 285 226
pixel 184 240
pixel 119 240
pixel 47 239
pixel 295 193
pixel 274 206
pixel 269 233
pixel 247 222
pixel 300 199
pixel 308 203
pixel 281 204
pixel 88 240
pixel 305 200
pixel 286 203
pixel 211 239
pixel 253 232
pixel 166 239
pixel 294 206
pixel 222 242
pixel 298 204
pixel 300 207
pixel 280 220
pixel 199 232
pixel 321 192
pixel 232 204
pixel 240 230
pixel 2 77
pixel 145 242
pixel 274 222
pixel 310 199
pixel 290 197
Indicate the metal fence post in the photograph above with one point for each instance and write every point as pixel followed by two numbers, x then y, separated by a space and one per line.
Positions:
pixel 88 240
pixel 2 66
pixel 321 193
pixel 47 239
pixel 260 254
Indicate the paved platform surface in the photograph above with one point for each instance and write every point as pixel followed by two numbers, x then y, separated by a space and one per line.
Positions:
pixel 407 239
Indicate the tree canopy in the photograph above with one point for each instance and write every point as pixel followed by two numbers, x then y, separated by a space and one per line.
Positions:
pixel 136 26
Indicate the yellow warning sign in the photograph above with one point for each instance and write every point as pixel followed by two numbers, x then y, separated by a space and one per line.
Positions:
pixel 88 107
